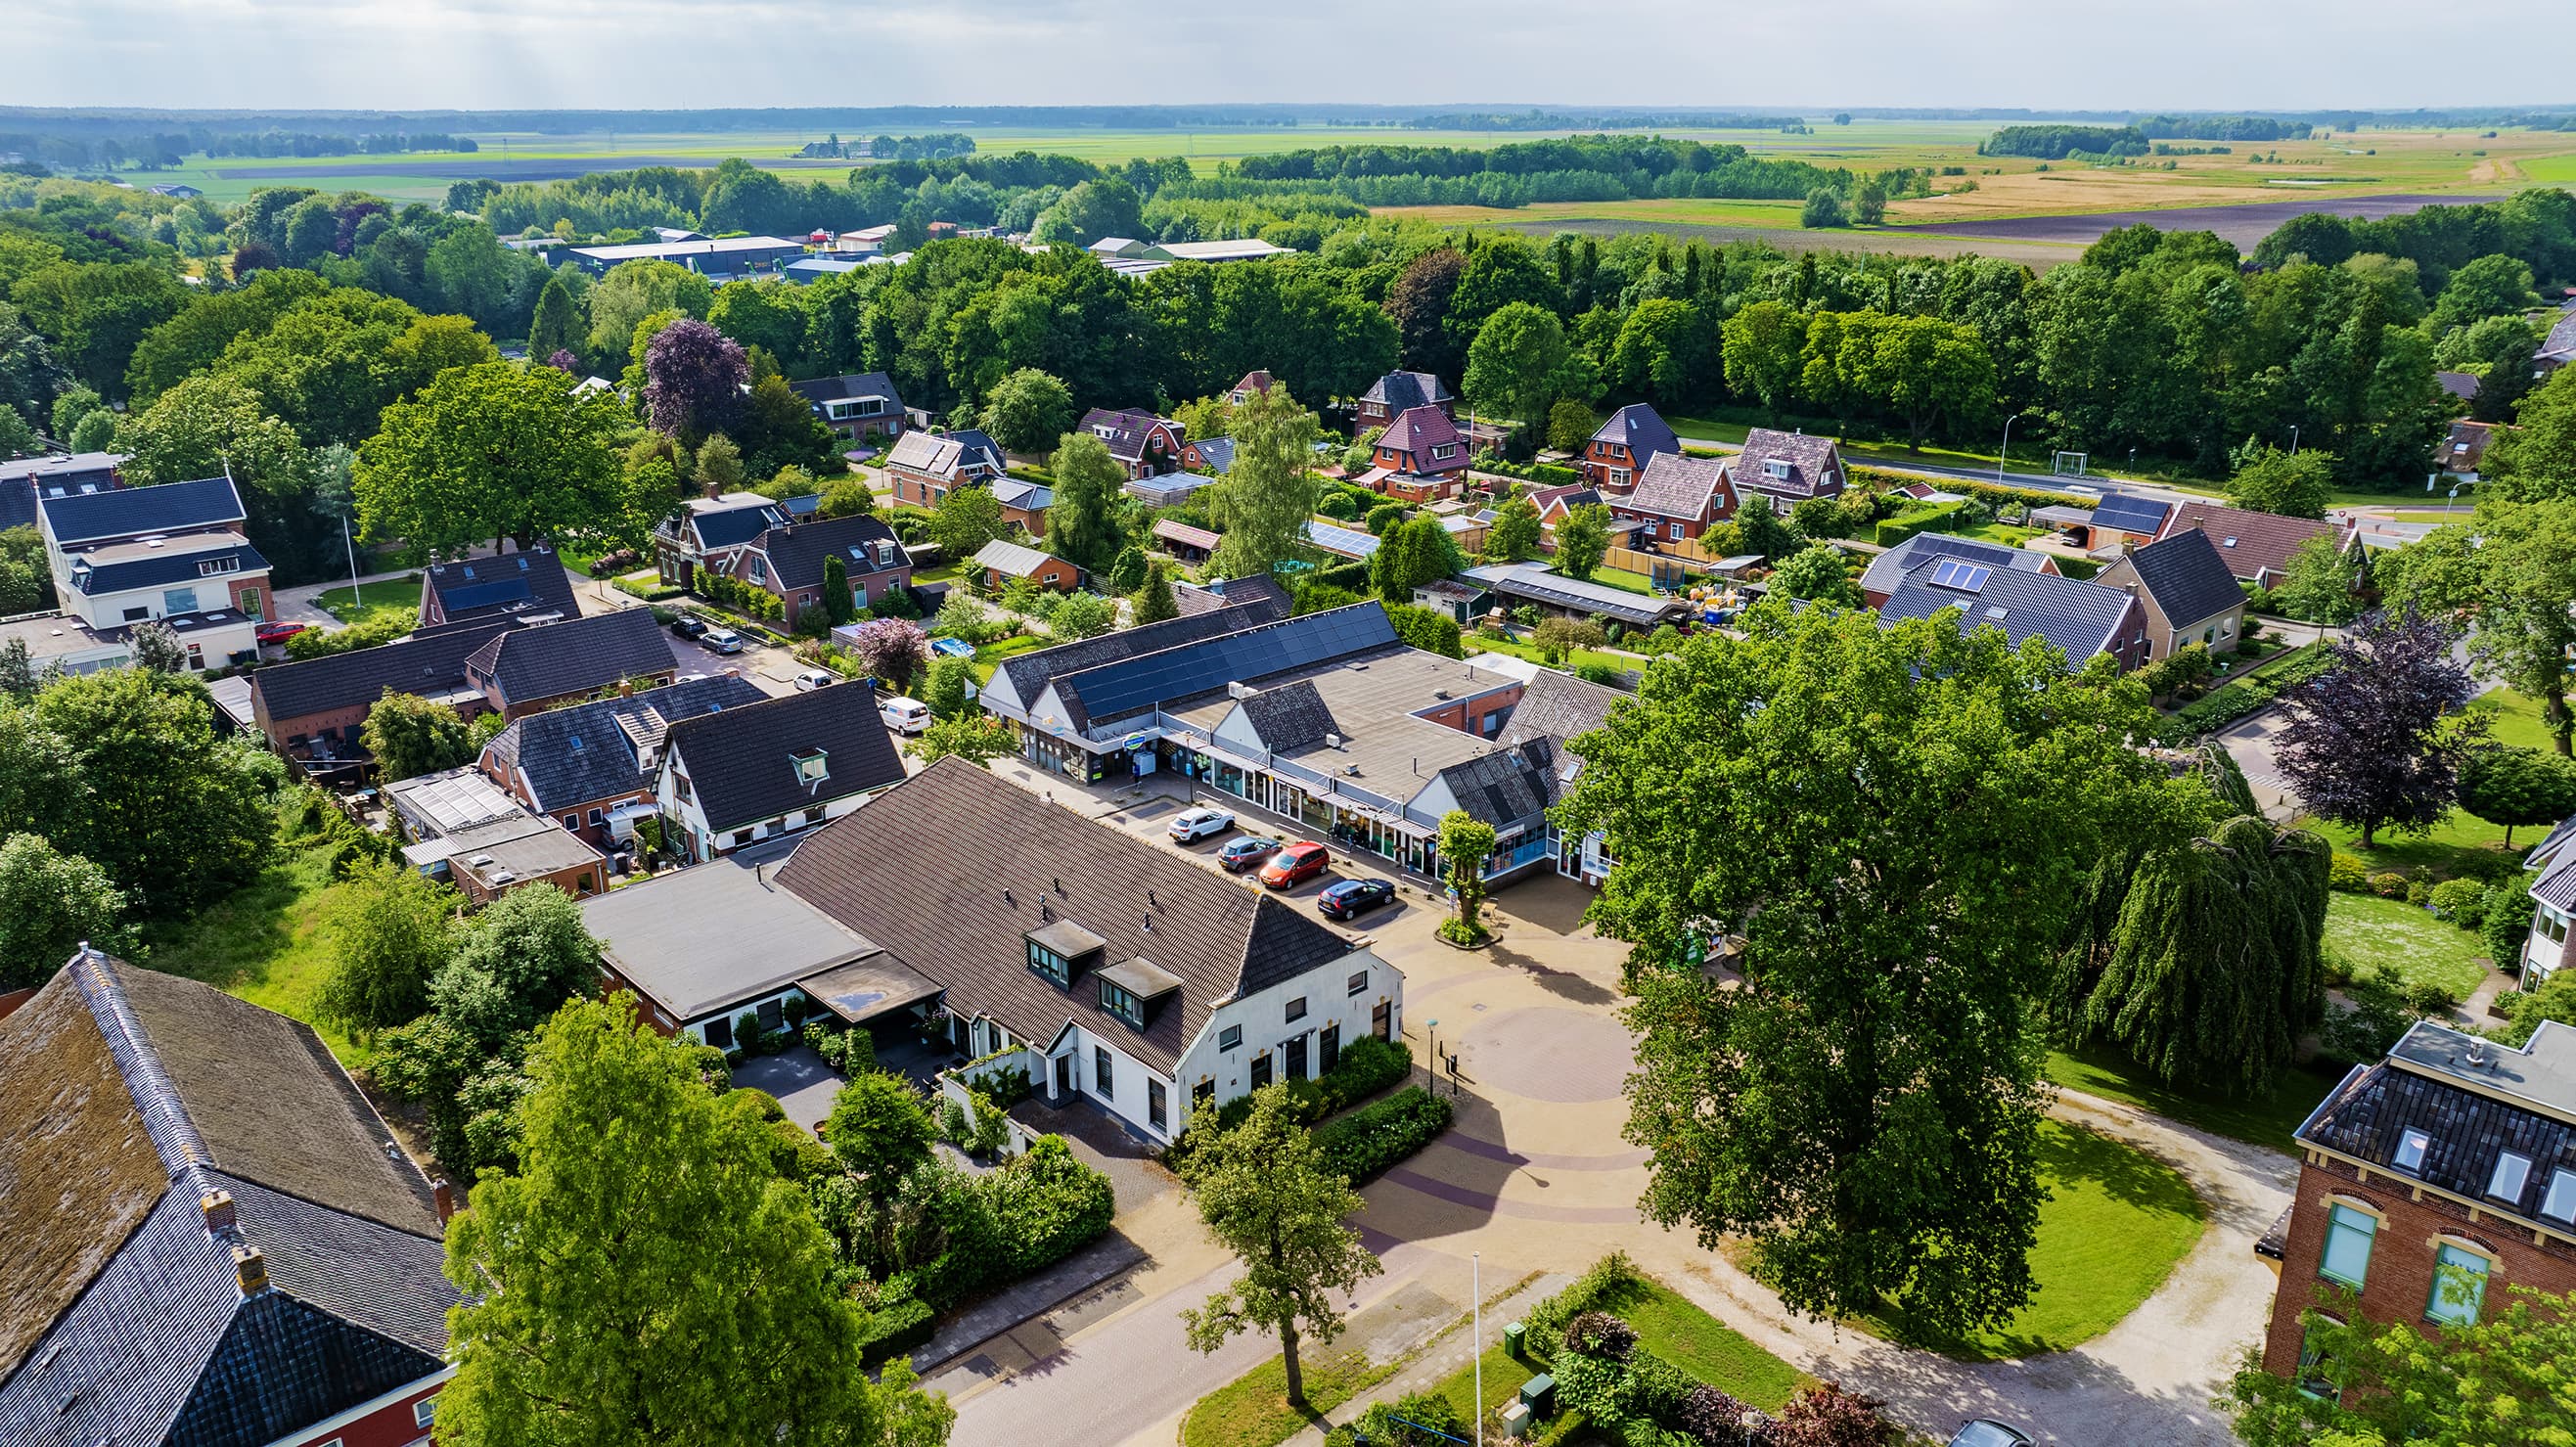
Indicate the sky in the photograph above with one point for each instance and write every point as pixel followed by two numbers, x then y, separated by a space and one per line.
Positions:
pixel 1811 54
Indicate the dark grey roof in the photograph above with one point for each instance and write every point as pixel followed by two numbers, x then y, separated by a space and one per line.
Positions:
pixel 1126 430
pixel 2560 345
pixel 134 511
pixel 570 756
pixel 1401 391
pixel 1640 429
pixel 1290 717
pixel 731 527
pixel 2080 618
pixel 1030 673
pixel 1134 685
pixel 2508 1100
pixel 979 446
pixel 130 1095
pixel 1217 453
pixel 842 388
pixel 2556 886
pixel 796 553
pixel 1505 786
pixel 923 871
pixel 24 479
pixel 427 663
pixel 1535 583
pixel 577 655
pixel 1558 706
pixel 529 582
pixel 2131 514
pixel 164 568
pixel 742 761
pixel 1883 571
pixel 2189 578
pixel 1260 593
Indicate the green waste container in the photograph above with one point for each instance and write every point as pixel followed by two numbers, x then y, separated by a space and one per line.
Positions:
pixel 1539 1394
pixel 1512 1335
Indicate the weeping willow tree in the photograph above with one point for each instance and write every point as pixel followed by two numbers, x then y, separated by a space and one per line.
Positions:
pixel 2203 961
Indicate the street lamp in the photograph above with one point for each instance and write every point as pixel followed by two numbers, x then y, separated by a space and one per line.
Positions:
pixel 2006 450
pixel 1476 1348
pixel 2294 439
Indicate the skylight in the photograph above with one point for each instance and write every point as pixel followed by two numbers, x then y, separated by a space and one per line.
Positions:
pixel 2560 1203
pixel 809 767
pixel 2410 1151
pixel 2512 1173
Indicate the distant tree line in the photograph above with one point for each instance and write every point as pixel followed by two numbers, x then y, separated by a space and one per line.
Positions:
pixel 306 143
pixel 2222 128
pixel 2056 143
pixel 1538 120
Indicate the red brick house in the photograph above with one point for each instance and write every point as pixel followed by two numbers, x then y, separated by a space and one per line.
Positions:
pixel 1787 467
pixel 1024 504
pixel 1143 443
pixel 927 466
pixel 590 767
pixel 1617 454
pixel 1255 382
pixel 1420 458
pixel 1397 393
pixel 1677 497
pixel 1001 562
pixel 520 671
pixel 2428 1184
pixel 787 562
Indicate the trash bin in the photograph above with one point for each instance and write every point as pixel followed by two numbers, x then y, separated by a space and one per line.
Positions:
pixel 1512 1335
pixel 1539 1394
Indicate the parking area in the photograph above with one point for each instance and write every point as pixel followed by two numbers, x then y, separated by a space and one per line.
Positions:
pixel 771 670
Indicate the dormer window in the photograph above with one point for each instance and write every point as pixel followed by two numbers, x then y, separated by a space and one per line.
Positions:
pixel 1122 1004
pixel 1058 949
pixel 810 768
pixel 1777 468
pixel 2512 1173
pixel 216 567
pixel 1054 966
pixel 2410 1151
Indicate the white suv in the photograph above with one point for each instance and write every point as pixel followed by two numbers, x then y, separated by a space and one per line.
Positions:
pixel 1200 824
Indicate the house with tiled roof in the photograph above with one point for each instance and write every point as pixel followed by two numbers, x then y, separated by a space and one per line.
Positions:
pixel 1397 393
pixel 2559 348
pixel 1881 576
pixel 1254 384
pixel 312 710
pixel 1619 452
pixel 2190 594
pixel 2257 545
pixel 2079 619
pixel 1024 503
pixel 857 407
pixel 926 466
pixel 1676 497
pixel 2463 449
pixel 2431 1183
pixel 592 766
pixel 1787 467
pixel 1260 596
pixel 1555 709
pixel 1022 691
pixel 788 561
pixel 173 554
pixel 2552 866
pixel 1419 458
pixel 1002 561
pixel 1144 444
pixel 1140 982
pixel 706 531
pixel 735 776
pixel 208 1238
pixel 531 586
pixel 1211 455
pixel 25 479
pixel 520 671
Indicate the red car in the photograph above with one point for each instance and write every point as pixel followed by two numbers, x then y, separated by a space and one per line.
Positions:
pixel 268 633
pixel 1294 863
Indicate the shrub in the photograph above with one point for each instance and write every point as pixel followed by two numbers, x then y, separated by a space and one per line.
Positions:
pixel 733 1062
pixel 1825 1415
pixel 2348 873
pixel 2508 924
pixel 954 1127
pixel 1048 1205
pixel 2462 901
pixel 653 592
pixel 1410 1421
pixel 2388 884
pixel 2419 890
pixel 1365 1143
pixel 711 1066
pixel 893 1329
pixel 1598 1333
pixel 1606 1281
pixel 2362 1032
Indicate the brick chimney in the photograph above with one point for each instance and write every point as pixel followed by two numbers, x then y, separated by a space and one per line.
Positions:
pixel 217 1208
pixel 251 1270
pixel 444 1196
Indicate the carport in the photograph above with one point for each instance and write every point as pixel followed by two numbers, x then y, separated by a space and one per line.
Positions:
pixel 868 989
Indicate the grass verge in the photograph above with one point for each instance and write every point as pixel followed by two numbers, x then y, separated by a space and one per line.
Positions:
pixel 990 656
pixel 1253 1411
pixel 269 943
pixel 2268 1123
pixel 354 605
pixel 1521 648
pixel 2115 1223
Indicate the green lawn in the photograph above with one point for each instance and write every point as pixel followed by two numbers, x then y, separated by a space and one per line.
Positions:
pixel 353 605
pixel 2115 1223
pixel 1521 648
pixel 1624 580
pixel 2268 1123
pixel 1253 1411
pixel 990 656
pixel 2372 933
pixel 268 943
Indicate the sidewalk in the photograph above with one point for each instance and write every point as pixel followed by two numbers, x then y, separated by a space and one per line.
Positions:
pixel 1439 1353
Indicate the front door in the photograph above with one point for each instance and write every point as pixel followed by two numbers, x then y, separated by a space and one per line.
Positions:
pixel 1297 1058
pixel 1379 1021
pixel 1329 1051
pixel 1064 1075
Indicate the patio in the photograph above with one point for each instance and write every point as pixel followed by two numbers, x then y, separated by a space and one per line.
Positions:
pixel 804 1085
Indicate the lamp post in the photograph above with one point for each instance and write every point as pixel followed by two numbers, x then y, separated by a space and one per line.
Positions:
pixel 2005 451
pixel 1476 1348
pixel 2294 439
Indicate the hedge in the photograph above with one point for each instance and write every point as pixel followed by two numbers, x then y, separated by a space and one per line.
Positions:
pixel 2232 701
pixel 653 592
pixel 1991 492
pixel 1923 520
pixel 1545 474
pixel 894 1330
pixel 1366 1143
pixel 1367 1066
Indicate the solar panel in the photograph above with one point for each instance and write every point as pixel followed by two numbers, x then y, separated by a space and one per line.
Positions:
pixel 1116 690
pixel 1347 541
pixel 1964 576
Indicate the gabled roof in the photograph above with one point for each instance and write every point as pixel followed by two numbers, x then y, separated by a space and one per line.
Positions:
pixel 1012 492
pixel 2188 579
pixel 574 656
pixel 1217 453
pixel 950 870
pixel 796 553
pixel 427 663
pixel 1026 675
pixel 2560 346
pixel 2256 545
pixel 1558 706
pixel 131 512
pixel 2079 618
pixel 1640 429
pixel 742 761
pixel 926 452
pixel 2556 886
pixel 1814 464
pixel 1552 500
pixel 1185 535
pixel 2465 446
pixel 24 479
pixel 2463 385
pixel 1127 430
pixel 731 522
pixel 1403 391
pixel 1290 717
pixel 517 583
pixel 1253 381
pixel 1416 430
pixel 1011 559
pixel 1128 686
pixel 125 1096
pixel 1676 486
pixel 2545 853
pixel 843 388
pixel 570 756
pixel 1505 786
pixel 979 447
pixel 1884 570
pixel 2129 513
pixel 122 567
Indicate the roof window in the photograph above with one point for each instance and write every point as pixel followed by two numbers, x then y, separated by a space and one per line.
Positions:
pixel 810 767
pixel 2560 1203
pixel 2512 1173
pixel 2410 1150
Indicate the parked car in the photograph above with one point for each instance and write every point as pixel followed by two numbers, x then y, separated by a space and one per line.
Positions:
pixel 810 679
pixel 952 647
pixel 689 625
pixel 721 640
pixel 1294 864
pixel 1200 823
pixel 905 715
pixel 1245 853
pixel 268 633
pixel 1353 897
pixel 1985 1432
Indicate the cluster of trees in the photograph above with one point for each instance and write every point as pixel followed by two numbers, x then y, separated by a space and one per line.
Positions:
pixel 307 143
pixel 1575 168
pixel 2221 128
pixel 2057 142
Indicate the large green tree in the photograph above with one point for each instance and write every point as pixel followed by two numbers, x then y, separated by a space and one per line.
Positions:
pixel 1027 410
pixel 411 735
pixel 2502 1378
pixel 1265 1194
pixel 1520 363
pixel 1272 490
pixel 2517 787
pixel 880 1131
pixel 1083 524
pixel 391 931
pixel 51 903
pixel 2270 479
pixel 177 817
pixel 2512 575
pixel 1514 535
pixel 964 521
pixel 490 451
pixel 1896 822
pixel 644 1275
pixel 1582 537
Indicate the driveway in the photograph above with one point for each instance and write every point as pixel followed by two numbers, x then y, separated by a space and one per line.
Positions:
pixel 801 1081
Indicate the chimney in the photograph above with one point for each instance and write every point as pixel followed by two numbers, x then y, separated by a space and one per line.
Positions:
pixel 217 1208
pixel 251 1270
pixel 626 688
pixel 443 1196
pixel 714 490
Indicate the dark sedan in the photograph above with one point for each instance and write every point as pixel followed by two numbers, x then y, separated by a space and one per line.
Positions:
pixel 1354 897
pixel 1245 853
pixel 689 625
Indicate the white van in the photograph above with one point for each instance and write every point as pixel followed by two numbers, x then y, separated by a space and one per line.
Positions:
pixel 905 715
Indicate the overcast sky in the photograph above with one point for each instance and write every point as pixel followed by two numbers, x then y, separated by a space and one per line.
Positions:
pixel 414 54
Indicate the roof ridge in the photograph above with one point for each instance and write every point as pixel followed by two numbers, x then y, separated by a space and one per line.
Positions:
pixel 174 1135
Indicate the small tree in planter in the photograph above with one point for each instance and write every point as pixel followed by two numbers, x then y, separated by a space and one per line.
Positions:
pixel 1465 843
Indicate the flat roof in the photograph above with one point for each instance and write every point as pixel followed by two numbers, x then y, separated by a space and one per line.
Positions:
pixel 719 933
pixel 867 988
pixel 2542 1072
pixel 451 800
pixel 717 247
pixel 1373 698
pixel 517 851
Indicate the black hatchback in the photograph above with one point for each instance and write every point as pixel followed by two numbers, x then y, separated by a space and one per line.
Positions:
pixel 1355 896
pixel 689 625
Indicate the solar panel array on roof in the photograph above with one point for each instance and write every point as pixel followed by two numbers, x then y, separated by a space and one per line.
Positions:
pixel 1349 542
pixel 1964 576
pixel 2128 514
pixel 1118 690
pixel 480 595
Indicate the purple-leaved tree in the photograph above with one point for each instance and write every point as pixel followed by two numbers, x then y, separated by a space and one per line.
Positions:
pixel 894 649
pixel 564 361
pixel 693 380
pixel 2370 744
